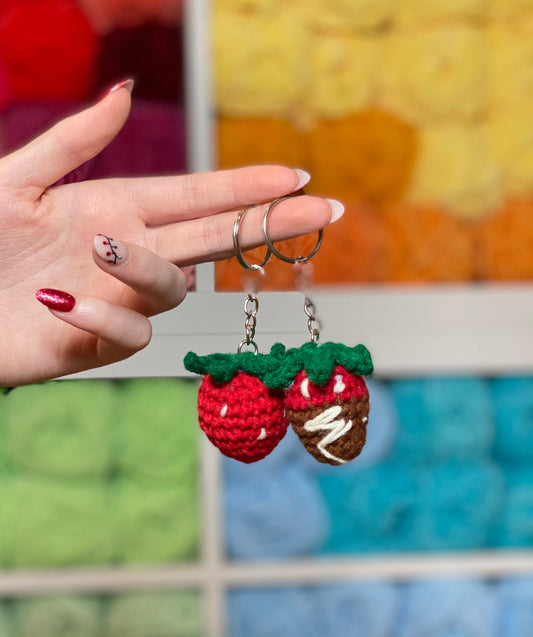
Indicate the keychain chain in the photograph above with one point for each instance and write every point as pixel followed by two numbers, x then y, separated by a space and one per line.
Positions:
pixel 247 400
pixel 304 276
pixel 251 286
pixel 251 305
pixel 309 309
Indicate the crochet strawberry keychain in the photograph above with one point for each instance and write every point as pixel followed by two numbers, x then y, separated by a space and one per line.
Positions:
pixel 247 400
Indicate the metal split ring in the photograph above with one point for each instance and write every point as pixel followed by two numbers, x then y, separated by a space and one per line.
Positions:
pixel 237 247
pixel 274 250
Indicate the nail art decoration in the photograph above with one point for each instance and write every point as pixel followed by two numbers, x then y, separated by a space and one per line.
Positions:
pixel 107 249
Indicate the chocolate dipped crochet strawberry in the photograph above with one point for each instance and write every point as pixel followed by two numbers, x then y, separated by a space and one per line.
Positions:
pixel 330 420
pixel 327 402
pixel 246 400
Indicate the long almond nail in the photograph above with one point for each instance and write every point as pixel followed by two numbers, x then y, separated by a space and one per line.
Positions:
pixel 303 178
pixel 337 209
pixel 127 84
pixel 109 249
pixel 56 299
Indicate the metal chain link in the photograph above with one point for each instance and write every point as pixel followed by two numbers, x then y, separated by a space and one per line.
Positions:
pixel 304 277
pixel 251 306
pixel 310 309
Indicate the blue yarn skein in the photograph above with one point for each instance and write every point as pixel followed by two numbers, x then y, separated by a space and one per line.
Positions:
pixel 275 612
pixel 513 407
pixel 371 510
pixel 516 608
pixel 280 516
pixel 358 608
pixel 458 504
pixel 400 507
pixel 515 524
pixel 448 608
pixel 443 418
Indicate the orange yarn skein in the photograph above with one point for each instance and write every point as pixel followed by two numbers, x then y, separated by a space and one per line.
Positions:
pixel 368 156
pixel 426 244
pixel 503 242
pixel 246 140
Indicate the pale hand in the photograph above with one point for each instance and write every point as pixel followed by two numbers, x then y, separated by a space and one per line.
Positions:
pixel 48 236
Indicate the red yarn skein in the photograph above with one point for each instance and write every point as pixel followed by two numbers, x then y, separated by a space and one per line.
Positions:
pixel 48 48
pixel 106 15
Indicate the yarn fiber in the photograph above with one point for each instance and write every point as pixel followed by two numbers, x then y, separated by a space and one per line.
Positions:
pixel 243 417
pixel 329 420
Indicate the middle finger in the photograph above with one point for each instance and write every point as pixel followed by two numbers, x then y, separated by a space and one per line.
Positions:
pixel 164 200
pixel 211 238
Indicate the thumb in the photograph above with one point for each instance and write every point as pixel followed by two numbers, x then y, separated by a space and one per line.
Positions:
pixel 68 144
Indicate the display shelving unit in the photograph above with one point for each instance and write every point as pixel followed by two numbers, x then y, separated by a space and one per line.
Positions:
pixel 479 329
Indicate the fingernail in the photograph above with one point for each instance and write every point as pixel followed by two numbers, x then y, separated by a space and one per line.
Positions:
pixel 127 84
pixel 303 178
pixel 56 299
pixel 337 209
pixel 109 249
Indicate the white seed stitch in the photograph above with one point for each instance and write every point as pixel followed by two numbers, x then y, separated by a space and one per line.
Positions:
pixel 339 384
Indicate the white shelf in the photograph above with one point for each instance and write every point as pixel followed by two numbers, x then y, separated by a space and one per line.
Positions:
pixel 469 329
pixel 441 329
pixel 487 564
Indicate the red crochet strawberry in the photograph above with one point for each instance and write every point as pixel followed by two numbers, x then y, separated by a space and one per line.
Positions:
pixel 243 418
pixel 330 420
pixel 240 415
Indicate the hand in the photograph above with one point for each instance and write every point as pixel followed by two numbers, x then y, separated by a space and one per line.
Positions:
pixel 48 240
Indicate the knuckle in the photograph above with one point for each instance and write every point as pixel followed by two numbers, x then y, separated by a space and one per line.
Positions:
pixel 214 235
pixel 180 288
pixel 174 291
pixel 142 336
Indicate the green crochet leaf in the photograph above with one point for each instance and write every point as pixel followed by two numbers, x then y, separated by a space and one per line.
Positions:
pixel 279 368
pixel 319 360
pixel 223 367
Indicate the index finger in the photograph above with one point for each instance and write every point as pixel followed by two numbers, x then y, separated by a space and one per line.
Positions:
pixel 66 145
pixel 163 200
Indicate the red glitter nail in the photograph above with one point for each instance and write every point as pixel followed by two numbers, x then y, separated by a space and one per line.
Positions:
pixel 56 299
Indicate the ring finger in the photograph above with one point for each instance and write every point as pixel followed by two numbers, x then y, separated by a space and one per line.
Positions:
pixel 154 284
pixel 211 238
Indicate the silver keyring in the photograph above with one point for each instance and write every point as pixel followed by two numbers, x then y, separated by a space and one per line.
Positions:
pixel 274 250
pixel 237 247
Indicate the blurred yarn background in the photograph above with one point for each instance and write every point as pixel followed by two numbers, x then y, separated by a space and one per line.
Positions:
pixel 100 473
pixel 418 116
pixel 446 468
pixel 58 55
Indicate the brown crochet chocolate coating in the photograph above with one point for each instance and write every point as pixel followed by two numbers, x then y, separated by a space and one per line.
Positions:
pixel 346 447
